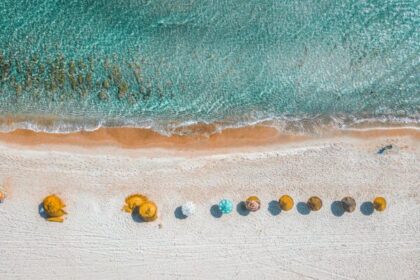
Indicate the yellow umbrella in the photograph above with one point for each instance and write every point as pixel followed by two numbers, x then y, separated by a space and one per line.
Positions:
pixel 148 211
pixel 286 202
pixel 379 203
pixel 2 195
pixel 53 206
pixel 133 201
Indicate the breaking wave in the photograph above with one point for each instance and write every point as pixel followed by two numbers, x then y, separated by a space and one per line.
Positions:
pixel 314 126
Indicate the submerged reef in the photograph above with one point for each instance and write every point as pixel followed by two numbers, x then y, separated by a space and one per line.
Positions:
pixel 78 77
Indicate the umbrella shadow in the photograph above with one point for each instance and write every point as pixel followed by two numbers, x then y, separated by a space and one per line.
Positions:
pixel 337 208
pixel 241 209
pixel 178 213
pixel 367 208
pixel 274 208
pixel 136 216
pixel 42 211
pixel 303 208
pixel 215 211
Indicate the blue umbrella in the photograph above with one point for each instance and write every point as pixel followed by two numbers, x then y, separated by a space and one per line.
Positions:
pixel 225 206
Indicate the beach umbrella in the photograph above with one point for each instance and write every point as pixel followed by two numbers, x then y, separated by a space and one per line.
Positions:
pixel 379 203
pixel 286 202
pixel 225 206
pixel 148 211
pixel 253 203
pixel 2 195
pixel 314 203
pixel 188 209
pixel 53 206
pixel 133 201
pixel 349 204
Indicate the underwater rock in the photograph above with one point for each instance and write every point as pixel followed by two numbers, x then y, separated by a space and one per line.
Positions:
pixel 73 82
pixel 116 74
pixel 41 69
pixel 60 78
pixel 103 95
pixel 84 93
pixel 91 64
pixel 80 79
pixel 72 67
pixel 122 89
pixel 132 99
pixel 18 89
pixel 28 82
pixel 82 65
pixel 89 81
pixel 105 84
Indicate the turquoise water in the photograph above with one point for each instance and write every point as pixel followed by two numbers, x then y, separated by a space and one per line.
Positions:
pixel 164 63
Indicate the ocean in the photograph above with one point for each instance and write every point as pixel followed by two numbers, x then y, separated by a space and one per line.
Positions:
pixel 165 64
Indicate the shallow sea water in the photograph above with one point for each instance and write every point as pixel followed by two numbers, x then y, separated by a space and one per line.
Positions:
pixel 166 63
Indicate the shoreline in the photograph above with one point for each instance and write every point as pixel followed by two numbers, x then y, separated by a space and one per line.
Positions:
pixel 229 138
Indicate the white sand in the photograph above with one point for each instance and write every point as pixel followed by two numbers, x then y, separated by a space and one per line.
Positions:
pixel 98 241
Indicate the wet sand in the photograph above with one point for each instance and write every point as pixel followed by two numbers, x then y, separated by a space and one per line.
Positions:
pixel 135 138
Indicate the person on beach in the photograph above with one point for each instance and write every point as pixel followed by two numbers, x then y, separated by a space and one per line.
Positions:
pixel 382 150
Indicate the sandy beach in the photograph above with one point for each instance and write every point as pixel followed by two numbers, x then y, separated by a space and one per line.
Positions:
pixel 94 172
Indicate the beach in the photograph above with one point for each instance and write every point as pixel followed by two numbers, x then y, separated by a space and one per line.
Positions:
pixel 94 171
pixel 214 103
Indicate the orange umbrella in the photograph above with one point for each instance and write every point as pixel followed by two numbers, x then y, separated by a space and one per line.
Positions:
pixel 53 206
pixel 286 202
pixel 2 195
pixel 133 201
pixel 379 203
pixel 148 211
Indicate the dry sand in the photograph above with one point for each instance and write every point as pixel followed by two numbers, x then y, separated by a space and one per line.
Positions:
pixel 99 241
